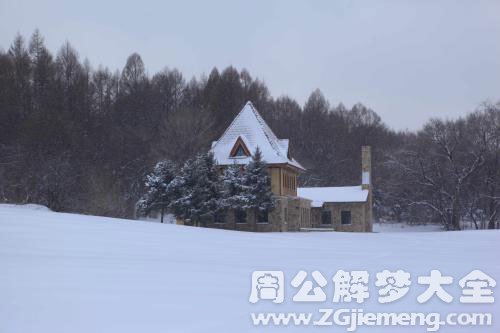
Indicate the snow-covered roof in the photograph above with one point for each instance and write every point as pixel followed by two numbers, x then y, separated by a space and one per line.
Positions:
pixel 320 195
pixel 251 128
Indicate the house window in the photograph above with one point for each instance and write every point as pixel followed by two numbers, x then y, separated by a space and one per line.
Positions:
pixel 220 216
pixel 263 216
pixel 345 217
pixel 239 149
pixel 326 216
pixel 241 216
pixel 239 152
pixel 207 218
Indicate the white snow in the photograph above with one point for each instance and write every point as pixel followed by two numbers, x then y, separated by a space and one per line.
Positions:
pixel 403 227
pixel 254 132
pixel 168 218
pixel 320 195
pixel 26 206
pixel 74 273
pixel 365 177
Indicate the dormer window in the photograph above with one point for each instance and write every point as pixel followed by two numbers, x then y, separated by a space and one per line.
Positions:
pixel 239 152
pixel 239 149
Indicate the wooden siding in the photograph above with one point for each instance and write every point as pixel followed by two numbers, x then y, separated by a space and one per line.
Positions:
pixel 283 180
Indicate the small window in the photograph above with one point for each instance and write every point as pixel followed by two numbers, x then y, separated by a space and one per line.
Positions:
pixel 345 217
pixel 326 217
pixel 239 152
pixel 241 216
pixel 220 216
pixel 239 149
pixel 207 218
pixel 263 216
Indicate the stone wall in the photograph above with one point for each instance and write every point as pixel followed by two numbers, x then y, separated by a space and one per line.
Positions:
pixel 316 217
pixel 359 222
pixel 294 213
pixel 290 214
pixel 298 211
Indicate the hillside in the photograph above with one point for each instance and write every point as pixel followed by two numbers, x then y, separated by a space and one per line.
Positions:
pixel 73 273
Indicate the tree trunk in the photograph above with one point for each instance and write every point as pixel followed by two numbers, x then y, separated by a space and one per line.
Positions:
pixel 162 213
pixel 455 220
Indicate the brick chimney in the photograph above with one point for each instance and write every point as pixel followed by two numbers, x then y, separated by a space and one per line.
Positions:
pixel 366 184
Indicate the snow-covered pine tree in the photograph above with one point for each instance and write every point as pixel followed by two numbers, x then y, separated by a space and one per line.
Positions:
pixel 182 185
pixel 209 187
pixel 258 186
pixel 199 189
pixel 234 188
pixel 158 194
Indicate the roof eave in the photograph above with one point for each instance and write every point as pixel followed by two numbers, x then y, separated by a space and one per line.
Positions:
pixel 287 164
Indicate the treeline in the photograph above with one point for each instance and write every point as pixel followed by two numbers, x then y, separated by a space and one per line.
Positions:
pixel 448 172
pixel 82 139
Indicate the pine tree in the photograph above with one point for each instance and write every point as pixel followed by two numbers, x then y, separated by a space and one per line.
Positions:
pixel 209 186
pixel 258 193
pixel 199 191
pixel 234 188
pixel 182 185
pixel 160 192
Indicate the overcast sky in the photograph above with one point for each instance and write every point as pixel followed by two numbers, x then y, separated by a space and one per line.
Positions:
pixel 408 60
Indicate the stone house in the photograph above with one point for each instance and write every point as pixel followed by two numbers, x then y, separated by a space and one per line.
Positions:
pixel 345 208
pixel 297 209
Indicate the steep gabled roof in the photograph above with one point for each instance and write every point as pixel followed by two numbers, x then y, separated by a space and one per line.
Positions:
pixel 250 127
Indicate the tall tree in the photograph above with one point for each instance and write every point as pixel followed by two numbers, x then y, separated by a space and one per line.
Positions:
pixel 159 191
pixel 234 188
pixel 200 193
pixel 258 186
pixel 133 75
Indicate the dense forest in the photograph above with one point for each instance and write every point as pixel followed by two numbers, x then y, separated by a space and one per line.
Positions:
pixel 81 139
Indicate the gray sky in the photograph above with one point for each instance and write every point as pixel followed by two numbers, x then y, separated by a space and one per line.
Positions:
pixel 408 60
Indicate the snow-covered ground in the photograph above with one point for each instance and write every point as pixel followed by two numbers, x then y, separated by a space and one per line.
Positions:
pixel 75 273
pixel 403 227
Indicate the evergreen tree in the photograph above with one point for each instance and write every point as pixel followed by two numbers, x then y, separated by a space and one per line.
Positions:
pixel 198 189
pixel 234 188
pixel 209 186
pixel 183 183
pixel 258 195
pixel 159 190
